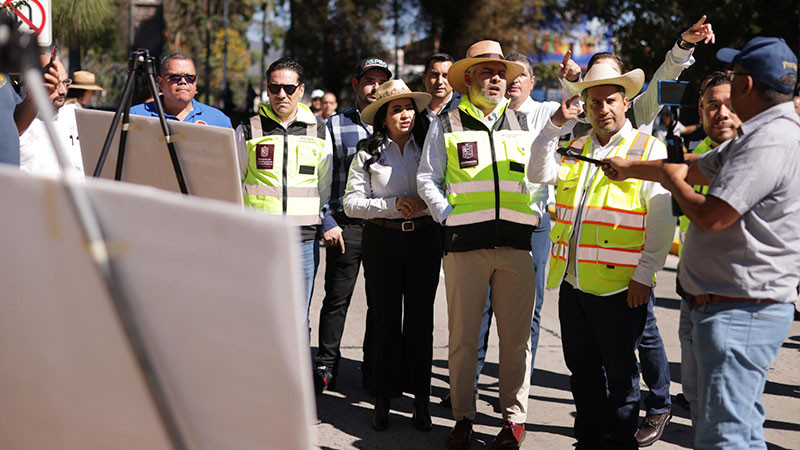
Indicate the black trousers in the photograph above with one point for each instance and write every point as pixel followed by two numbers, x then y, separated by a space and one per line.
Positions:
pixel 341 273
pixel 599 337
pixel 402 274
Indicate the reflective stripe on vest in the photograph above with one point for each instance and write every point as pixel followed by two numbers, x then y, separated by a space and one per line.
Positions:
pixel 282 176
pixel 485 173
pixel 703 147
pixel 611 229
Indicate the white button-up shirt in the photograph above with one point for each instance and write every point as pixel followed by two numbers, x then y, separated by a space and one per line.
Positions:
pixel 372 193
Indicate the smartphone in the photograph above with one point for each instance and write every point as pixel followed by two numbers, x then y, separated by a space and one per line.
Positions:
pixel 53 53
pixel 677 93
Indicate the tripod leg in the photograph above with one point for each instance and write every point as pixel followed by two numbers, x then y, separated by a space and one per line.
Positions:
pixel 176 165
pixel 124 104
pixel 123 140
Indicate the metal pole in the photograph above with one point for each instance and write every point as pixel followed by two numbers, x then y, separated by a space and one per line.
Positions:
pixel 263 53
pixel 225 47
pixel 208 51
pixel 130 28
pixel 396 41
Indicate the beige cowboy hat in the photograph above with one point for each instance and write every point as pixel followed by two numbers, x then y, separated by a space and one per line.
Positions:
pixel 392 90
pixel 481 52
pixel 602 74
pixel 84 80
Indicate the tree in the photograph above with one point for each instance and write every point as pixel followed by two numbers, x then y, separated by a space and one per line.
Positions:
pixel 646 29
pixel 81 24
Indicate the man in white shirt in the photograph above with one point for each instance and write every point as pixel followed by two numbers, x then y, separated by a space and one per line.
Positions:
pixel 609 240
pixel 36 152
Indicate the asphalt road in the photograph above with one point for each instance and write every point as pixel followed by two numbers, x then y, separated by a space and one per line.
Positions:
pixel 345 413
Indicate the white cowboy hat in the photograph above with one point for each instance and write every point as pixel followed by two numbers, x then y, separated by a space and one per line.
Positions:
pixel 83 79
pixel 481 52
pixel 392 90
pixel 602 74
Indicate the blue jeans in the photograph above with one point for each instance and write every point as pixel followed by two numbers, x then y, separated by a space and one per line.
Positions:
pixel 739 342
pixel 688 363
pixel 654 363
pixel 309 258
pixel 540 249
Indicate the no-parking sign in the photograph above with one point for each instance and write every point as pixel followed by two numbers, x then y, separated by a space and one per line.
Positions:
pixel 34 15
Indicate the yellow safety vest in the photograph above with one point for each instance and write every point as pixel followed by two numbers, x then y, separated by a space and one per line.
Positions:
pixel 485 173
pixel 703 147
pixel 283 165
pixel 611 230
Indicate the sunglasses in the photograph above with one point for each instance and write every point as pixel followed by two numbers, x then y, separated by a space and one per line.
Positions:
pixel 275 88
pixel 177 77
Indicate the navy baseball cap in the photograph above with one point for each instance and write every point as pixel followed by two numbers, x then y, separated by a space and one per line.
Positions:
pixel 372 63
pixel 767 59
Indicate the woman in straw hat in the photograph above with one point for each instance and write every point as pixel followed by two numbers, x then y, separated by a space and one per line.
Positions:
pixel 401 250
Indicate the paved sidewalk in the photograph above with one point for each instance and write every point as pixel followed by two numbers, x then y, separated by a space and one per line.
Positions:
pixel 346 412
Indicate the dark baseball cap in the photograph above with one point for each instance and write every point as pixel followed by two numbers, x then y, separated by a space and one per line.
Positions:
pixel 767 59
pixel 372 63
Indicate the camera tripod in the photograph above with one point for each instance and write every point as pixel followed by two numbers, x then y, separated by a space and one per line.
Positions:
pixel 140 64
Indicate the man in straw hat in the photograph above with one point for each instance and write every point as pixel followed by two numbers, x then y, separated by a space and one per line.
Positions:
pixel 472 177
pixel 82 88
pixel 609 239
pixel 741 300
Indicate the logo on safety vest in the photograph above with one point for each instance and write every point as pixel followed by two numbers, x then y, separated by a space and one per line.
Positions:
pixel 467 154
pixel 265 156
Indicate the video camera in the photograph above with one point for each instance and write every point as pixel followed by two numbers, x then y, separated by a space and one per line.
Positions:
pixel 676 94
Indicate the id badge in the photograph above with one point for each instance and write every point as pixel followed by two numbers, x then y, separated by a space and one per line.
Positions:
pixel 265 156
pixel 467 154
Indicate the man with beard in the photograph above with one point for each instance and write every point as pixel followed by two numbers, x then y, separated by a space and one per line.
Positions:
pixel 177 80
pixel 36 153
pixel 472 177
pixel 342 235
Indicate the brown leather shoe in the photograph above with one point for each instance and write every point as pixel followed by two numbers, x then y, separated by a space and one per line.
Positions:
pixel 651 428
pixel 510 437
pixel 460 436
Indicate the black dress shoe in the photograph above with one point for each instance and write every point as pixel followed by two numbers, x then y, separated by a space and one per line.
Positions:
pixel 422 415
pixel 380 417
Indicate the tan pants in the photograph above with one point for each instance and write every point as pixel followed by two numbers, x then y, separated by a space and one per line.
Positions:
pixel 468 276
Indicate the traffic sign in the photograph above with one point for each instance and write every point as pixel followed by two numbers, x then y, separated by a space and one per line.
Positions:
pixel 35 16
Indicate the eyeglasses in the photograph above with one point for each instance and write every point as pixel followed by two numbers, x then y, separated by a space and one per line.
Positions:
pixel 730 74
pixel 65 83
pixel 275 88
pixel 177 77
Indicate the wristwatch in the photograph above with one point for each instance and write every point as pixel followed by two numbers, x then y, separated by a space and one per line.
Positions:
pixel 685 45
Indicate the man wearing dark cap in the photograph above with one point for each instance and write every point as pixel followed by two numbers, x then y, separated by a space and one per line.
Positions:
pixel 740 266
pixel 342 235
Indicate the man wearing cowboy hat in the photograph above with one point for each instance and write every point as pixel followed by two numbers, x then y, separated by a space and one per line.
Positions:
pixel 609 239
pixel 472 177
pixel 82 88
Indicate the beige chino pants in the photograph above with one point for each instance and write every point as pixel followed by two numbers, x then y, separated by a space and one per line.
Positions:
pixel 468 276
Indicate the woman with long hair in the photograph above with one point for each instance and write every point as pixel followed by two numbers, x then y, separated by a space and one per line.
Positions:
pixel 401 250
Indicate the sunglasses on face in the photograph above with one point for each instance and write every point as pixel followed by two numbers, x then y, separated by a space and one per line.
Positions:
pixel 275 88
pixel 177 77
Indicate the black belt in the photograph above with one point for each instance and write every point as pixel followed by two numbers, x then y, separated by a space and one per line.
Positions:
pixel 342 219
pixel 404 225
pixel 705 299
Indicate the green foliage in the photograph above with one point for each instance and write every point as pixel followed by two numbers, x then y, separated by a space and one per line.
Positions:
pixel 81 22
pixel 646 29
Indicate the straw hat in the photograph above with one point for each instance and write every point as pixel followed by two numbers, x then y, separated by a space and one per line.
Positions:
pixel 601 74
pixel 84 80
pixel 481 52
pixel 392 90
